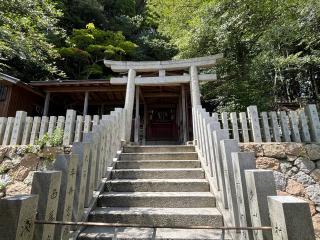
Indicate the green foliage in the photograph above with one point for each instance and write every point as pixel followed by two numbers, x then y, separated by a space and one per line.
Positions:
pixel 78 13
pixel 83 58
pixel 28 29
pixel 271 47
pixel 2 186
pixel 56 138
pixel 53 140
pixel 2 170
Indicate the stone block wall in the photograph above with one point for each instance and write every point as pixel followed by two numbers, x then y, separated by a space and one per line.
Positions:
pixel 17 164
pixel 296 169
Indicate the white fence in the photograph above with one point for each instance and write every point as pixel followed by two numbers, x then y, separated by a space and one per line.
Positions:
pixel 24 130
pixel 67 192
pixel 302 125
pixel 247 196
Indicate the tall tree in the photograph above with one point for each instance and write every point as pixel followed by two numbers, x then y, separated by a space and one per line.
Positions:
pixel 83 58
pixel 27 31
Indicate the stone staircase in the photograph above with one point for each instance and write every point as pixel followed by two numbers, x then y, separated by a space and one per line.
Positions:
pixel 159 189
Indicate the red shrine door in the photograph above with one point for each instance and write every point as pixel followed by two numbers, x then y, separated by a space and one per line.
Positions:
pixel 161 124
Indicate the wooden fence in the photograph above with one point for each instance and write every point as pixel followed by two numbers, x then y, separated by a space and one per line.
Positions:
pixel 302 125
pixel 66 193
pixel 24 130
pixel 245 195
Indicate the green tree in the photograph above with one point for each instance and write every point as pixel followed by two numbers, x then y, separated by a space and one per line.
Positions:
pixel 83 58
pixel 271 47
pixel 28 29
pixel 78 13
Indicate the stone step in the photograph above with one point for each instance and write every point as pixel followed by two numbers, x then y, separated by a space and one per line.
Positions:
pixel 159 217
pixel 122 233
pixel 158 185
pixel 158 173
pixel 160 156
pixel 157 199
pixel 153 149
pixel 158 164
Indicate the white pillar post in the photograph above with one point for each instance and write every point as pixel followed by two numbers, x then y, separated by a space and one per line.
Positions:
pixel 85 104
pixel 195 92
pixel 137 117
pixel 128 106
pixel 46 104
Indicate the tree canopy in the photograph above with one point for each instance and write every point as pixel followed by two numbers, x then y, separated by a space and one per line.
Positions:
pixel 28 30
pixel 69 38
pixel 271 47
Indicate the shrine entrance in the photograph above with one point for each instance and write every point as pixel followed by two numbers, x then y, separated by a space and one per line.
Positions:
pixel 160 113
pixel 163 121
pixel 166 91
pixel 162 124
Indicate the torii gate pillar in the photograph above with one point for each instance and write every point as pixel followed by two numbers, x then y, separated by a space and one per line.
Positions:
pixel 194 85
pixel 128 106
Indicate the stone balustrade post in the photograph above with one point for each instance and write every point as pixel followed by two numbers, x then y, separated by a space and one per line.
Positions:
pixel 243 161
pixel 44 126
pixel 18 126
pixel 79 129
pixel 290 218
pixel 255 123
pixel 260 185
pixel 27 131
pixel 8 131
pixel 52 125
pixel 47 186
pixel 221 195
pixel 35 130
pixel 228 147
pixel 69 128
pixel 93 181
pixel 3 124
pixel 82 150
pixel 67 164
pixel 211 126
pixel 314 122
pixel 17 216
pixel 60 122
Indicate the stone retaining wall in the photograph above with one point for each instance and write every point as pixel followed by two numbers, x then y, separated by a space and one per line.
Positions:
pixel 17 164
pixel 296 170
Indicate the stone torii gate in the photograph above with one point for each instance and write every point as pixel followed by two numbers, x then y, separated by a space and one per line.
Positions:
pixel 134 78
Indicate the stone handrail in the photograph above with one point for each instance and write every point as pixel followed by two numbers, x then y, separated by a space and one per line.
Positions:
pixel 245 195
pixel 302 125
pixel 24 130
pixel 66 192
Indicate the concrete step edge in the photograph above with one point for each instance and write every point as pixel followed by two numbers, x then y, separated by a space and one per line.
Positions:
pixel 142 211
pixel 157 194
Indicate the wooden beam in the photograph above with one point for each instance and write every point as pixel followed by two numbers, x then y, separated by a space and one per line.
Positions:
pixel 46 104
pixel 85 104
pixel 85 89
